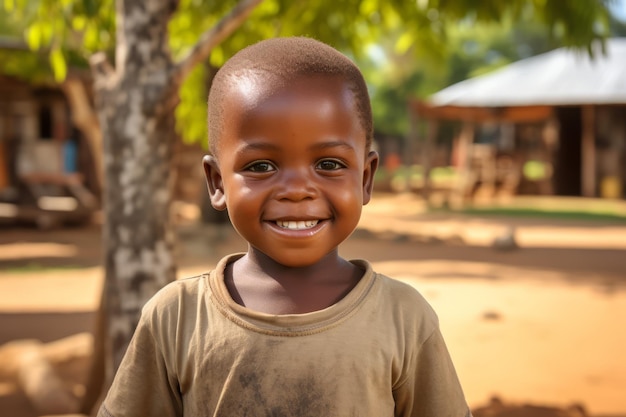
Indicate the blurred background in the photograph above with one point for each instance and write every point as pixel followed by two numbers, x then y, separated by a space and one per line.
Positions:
pixel 501 128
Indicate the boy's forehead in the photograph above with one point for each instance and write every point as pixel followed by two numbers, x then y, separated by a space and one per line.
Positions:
pixel 249 86
pixel 253 87
pixel 248 94
pixel 249 83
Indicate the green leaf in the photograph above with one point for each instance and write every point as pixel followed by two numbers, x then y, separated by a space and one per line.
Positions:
pixel 59 66
pixel 90 37
pixel 192 109
pixel 33 36
pixel 79 22
pixel 217 57
pixel 367 7
pixel 404 42
pixel 90 7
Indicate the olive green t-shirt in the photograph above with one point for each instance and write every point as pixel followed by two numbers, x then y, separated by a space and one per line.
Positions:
pixel 377 352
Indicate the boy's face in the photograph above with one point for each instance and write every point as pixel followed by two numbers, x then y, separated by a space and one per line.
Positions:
pixel 292 168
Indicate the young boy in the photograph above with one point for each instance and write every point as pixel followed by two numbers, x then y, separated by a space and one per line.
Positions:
pixel 288 328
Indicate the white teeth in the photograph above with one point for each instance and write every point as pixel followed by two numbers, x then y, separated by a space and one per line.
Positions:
pixel 299 225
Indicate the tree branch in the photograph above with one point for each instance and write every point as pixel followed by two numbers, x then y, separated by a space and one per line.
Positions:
pixel 101 69
pixel 212 37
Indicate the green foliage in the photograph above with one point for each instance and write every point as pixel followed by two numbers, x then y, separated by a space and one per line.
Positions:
pixel 86 26
pixel 406 48
pixel 592 214
pixel 573 22
pixel 192 109
pixel 67 31
pixel 475 44
pixel 25 65
pixel 59 66
pixel 389 106
pixel 351 26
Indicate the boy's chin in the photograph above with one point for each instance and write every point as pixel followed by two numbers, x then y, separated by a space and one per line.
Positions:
pixel 297 258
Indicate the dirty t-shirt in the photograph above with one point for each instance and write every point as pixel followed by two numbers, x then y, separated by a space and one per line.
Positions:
pixel 378 352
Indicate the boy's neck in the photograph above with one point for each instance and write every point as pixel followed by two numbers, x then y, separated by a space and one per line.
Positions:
pixel 257 282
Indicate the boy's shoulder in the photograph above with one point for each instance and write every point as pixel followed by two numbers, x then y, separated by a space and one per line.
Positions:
pixel 176 294
pixel 406 300
pixel 398 287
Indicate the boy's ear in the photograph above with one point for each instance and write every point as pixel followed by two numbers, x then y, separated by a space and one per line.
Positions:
pixel 214 182
pixel 371 164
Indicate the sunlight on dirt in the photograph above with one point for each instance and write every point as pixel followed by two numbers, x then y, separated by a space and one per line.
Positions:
pixel 532 339
pixel 17 251
pixel 541 321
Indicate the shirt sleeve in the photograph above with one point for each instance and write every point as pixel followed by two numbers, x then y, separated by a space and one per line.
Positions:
pixel 431 387
pixel 143 384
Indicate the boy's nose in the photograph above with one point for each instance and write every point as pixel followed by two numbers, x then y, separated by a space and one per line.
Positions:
pixel 295 185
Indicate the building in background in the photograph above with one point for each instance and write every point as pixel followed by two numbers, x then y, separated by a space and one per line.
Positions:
pixel 46 168
pixel 551 124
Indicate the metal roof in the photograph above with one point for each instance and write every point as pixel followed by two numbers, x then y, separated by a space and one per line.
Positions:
pixel 560 77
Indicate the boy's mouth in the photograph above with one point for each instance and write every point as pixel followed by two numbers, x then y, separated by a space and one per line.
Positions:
pixel 297 225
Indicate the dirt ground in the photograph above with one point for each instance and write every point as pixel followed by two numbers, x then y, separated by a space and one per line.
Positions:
pixel 542 323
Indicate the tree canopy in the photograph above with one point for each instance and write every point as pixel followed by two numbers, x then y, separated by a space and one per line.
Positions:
pixel 404 47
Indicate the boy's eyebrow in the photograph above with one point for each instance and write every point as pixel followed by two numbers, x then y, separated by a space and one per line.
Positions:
pixel 247 146
pixel 263 146
pixel 333 144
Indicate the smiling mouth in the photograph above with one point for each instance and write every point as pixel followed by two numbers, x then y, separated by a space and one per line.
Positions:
pixel 297 225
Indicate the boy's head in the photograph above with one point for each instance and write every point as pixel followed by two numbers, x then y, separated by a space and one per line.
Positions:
pixel 290 125
pixel 276 62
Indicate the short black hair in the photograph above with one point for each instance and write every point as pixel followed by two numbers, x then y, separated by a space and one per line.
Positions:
pixel 286 59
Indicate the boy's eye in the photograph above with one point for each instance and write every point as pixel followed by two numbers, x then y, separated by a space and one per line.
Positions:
pixel 260 166
pixel 329 165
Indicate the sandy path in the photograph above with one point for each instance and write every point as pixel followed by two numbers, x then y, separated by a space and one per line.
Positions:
pixel 536 340
pixel 541 324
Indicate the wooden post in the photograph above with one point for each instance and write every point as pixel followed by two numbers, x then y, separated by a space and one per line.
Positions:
pixel 86 120
pixel 464 153
pixel 413 138
pixel 588 152
pixel 426 157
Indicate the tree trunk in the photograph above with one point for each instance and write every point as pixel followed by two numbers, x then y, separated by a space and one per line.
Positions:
pixel 138 233
pixel 135 105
